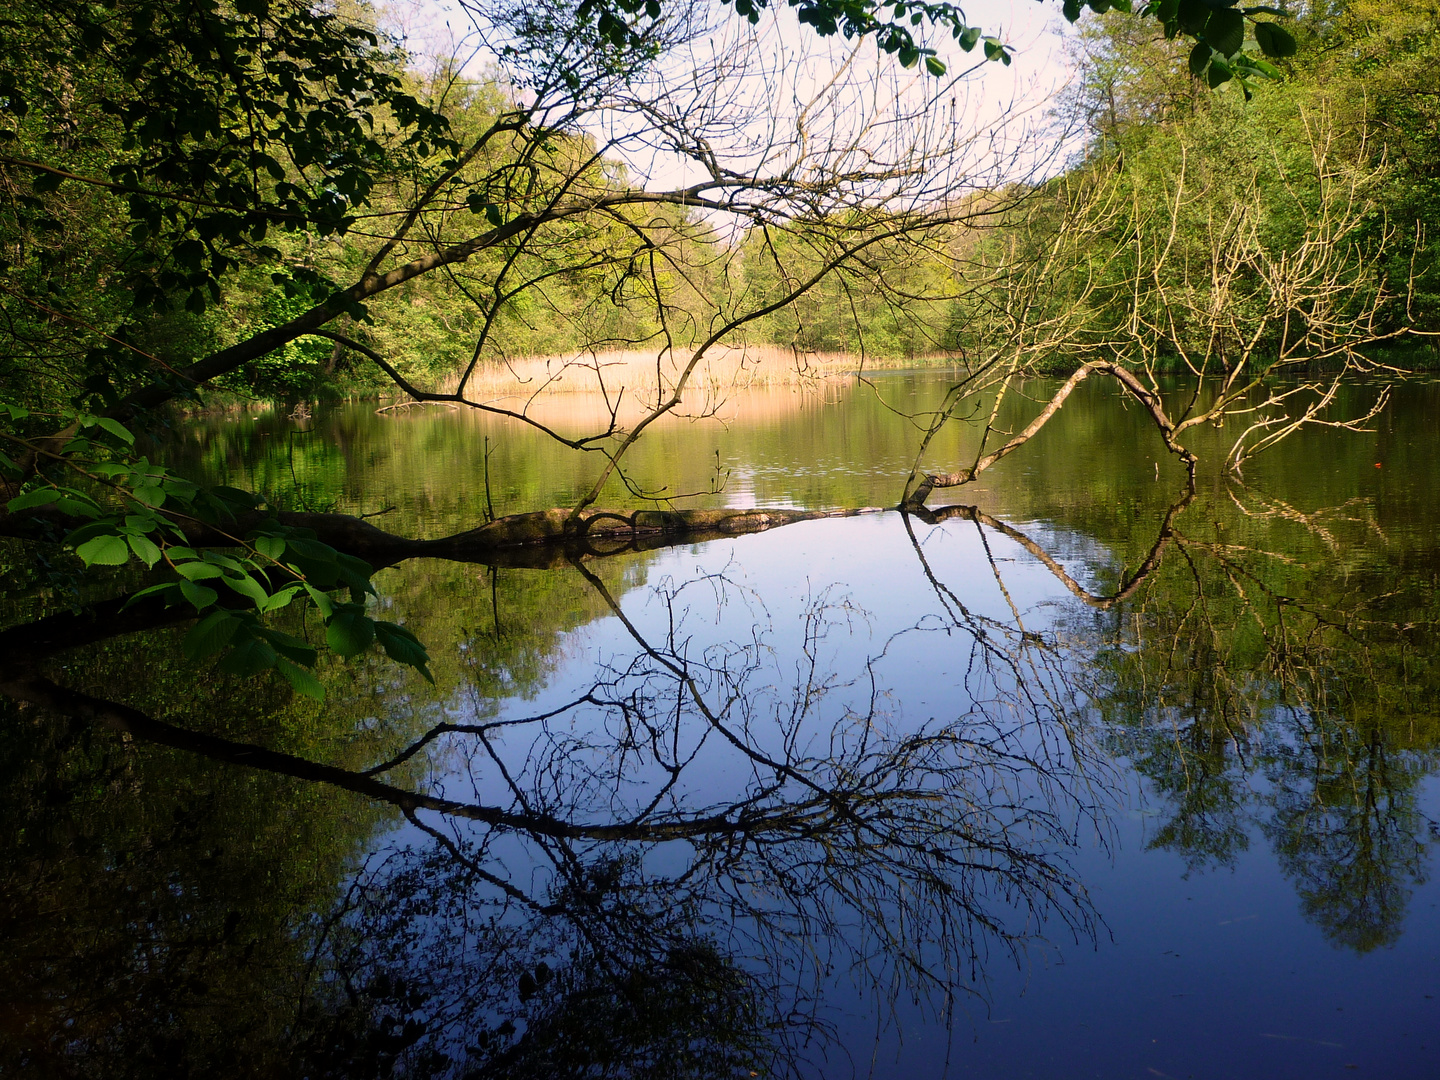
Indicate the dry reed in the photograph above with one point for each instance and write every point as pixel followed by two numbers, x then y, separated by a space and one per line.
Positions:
pixel 649 377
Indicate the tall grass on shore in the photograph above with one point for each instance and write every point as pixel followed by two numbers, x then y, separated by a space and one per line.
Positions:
pixel 648 377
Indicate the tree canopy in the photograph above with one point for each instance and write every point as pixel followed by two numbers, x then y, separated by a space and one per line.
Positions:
pixel 1219 29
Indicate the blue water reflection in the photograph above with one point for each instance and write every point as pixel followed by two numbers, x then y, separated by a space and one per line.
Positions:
pixel 1196 966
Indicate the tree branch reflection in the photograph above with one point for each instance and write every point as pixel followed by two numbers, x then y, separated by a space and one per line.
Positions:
pixel 704 828
pixel 1262 698
pixel 665 868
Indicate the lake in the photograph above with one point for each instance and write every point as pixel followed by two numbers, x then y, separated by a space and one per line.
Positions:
pixel 1089 775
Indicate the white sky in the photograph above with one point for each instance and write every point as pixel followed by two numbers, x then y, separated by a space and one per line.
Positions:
pixel 1036 32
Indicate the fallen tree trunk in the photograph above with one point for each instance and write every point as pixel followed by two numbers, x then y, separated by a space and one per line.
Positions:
pixel 541 538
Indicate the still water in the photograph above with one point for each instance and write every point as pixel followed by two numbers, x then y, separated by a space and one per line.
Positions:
pixel 1093 777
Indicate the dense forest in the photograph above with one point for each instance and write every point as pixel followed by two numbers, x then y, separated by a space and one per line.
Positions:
pixel 100 277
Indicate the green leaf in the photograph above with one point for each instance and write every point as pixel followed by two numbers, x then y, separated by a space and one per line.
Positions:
pixel 200 596
pixel 289 645
pixel 1219 72
pixel 107 550
pixel 169 587
pixel 312 550
pixel 1226 31
pixel 45 181
pixel 210 635
pixel 179 489
pixel 349 631
pixel 355 573
pixel 248 658
pixel 1192 15
pixel 1199 59
pixel 236 496
pixel 145 549
pixel 249 588
pixel 322 602
pixel 303 681
pixel 272 547
pixel 225 562
pixel 76 537
pixel 280 599
pixel 79 506
pixel 38 497
pixel 403 647
pixel 1274 40
pixel 1071 10
pixel 971 34
pixel 934 66
pixel 1262 67
pixel 150 495
pixel 114 427
pixel 198 571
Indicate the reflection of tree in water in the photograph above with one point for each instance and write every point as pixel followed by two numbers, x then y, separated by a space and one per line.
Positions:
pixel 1286 694
pixel 149 927
pixel 1346 825
pixel 660 876
pixel 603 976
pixel 789 831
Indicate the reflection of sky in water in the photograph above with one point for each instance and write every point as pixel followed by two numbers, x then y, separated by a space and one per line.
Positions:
pixel 863 569
pixel 1218 974
pixel 1213 973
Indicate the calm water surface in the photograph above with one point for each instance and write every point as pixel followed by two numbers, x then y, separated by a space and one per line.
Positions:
pixel 1094 779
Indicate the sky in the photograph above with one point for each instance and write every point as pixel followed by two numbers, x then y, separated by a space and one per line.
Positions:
pixel 1035 31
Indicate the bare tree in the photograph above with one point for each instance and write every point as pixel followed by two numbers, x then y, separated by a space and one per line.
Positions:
pixel 799 164
pixel 1184 275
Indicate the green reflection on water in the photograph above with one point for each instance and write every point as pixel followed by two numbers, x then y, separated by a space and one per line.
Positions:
pixel 1274 678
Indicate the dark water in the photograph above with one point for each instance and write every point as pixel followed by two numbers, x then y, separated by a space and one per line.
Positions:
pixel 1097 779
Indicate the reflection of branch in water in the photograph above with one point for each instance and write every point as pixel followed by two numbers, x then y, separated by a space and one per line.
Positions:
pixel 1030 663
pixel 792 822
pixel 1127 587
pixel 1266 506
pixel 1218 672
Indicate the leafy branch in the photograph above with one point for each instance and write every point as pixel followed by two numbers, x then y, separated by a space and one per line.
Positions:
pixel 271 567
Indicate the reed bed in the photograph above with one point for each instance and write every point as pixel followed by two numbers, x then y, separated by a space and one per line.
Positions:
pixel 649 376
